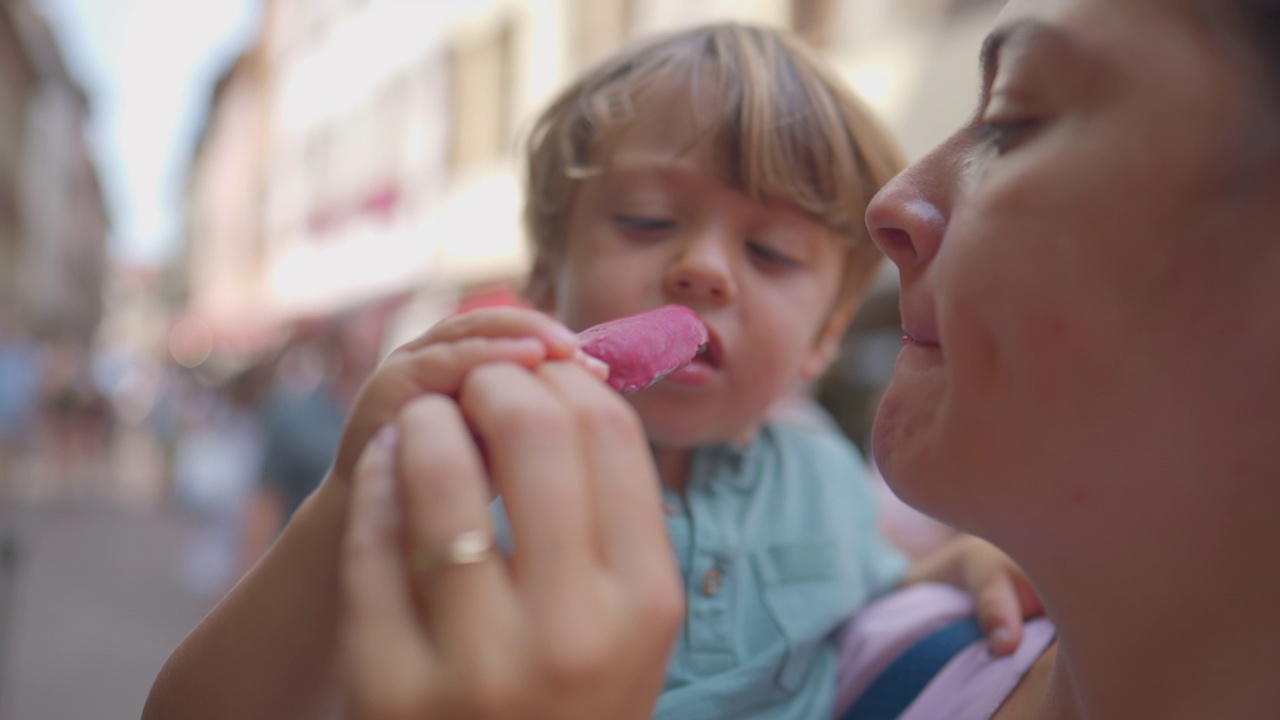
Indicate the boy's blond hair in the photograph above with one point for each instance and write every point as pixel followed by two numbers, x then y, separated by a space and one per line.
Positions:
pixel 785 129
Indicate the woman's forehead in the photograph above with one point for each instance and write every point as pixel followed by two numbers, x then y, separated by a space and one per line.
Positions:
pixel 1131 22
pixel 1138 42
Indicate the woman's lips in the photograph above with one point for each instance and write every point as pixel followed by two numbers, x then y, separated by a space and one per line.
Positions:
pixel 919 319
pixel 909 339
pixel 918 327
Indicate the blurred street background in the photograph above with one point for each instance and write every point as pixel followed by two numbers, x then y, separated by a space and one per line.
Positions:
pixel 217 215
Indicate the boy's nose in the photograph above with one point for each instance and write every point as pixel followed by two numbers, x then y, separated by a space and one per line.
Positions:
pixel 701 272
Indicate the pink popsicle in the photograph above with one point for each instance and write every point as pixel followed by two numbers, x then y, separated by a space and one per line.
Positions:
pixel 642 349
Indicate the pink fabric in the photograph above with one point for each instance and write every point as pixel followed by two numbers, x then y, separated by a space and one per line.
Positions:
pixel 971 687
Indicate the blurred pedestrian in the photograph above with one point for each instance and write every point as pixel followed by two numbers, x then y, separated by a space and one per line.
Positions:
pixel 302 419
pixel 77 422
pixel 19 397
pixel 217 459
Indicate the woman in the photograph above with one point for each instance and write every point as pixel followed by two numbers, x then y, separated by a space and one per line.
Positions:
pixel 1090 276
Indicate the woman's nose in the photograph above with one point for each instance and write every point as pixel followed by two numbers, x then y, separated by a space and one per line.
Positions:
pixel 702 271
pixel 906 223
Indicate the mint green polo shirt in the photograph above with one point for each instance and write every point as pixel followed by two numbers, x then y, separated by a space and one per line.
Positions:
pixel 778 545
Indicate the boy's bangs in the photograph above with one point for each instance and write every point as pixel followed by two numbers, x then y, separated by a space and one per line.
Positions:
pixel 774 131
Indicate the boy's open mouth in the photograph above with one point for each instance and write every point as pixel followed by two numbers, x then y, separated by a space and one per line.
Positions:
pixel 711 353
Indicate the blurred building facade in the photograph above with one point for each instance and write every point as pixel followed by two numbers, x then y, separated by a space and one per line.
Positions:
pixel 367 147
pixel 53 221
pixel 222 259
pixel 17 78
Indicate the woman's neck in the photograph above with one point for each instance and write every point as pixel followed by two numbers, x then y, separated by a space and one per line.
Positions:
pixel 1189 630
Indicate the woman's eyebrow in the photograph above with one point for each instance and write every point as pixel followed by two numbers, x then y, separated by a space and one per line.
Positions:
pixel 1024 32
pixel 990 54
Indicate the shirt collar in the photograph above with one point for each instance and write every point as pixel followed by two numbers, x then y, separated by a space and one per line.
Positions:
pixel 725 463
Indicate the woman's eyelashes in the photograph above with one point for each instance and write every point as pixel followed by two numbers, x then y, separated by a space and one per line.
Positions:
pixel 1008 118
pixel 1001 136
pixel 1022 98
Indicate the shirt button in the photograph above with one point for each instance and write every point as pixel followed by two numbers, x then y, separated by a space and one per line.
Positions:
pixel 712 582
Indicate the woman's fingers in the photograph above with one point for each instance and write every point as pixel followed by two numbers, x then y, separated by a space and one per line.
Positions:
pixel 580 490
pixel 558 342
pixel 448 531
pixel 440 367
pixel 407 374
pixel 560 631
pixel 502 322
pixel 535 459
pixel 387 654
pixel 641 589
pixel 624 487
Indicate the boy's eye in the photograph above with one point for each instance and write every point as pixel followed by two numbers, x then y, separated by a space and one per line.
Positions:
pixel 770 256
pixel 644 224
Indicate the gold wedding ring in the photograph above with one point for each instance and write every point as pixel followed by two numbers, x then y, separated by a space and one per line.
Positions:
pixel 465 548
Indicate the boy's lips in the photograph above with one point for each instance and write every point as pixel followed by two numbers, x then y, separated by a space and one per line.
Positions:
pixel 705 366
pixel 713 352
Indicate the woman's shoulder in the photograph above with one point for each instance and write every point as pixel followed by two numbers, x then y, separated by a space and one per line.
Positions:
pixel 971 685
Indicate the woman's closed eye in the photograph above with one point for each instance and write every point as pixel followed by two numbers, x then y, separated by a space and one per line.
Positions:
pixel 1032 74
pixel 1001 136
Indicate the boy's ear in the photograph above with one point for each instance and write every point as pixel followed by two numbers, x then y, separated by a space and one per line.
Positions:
pixel 830 336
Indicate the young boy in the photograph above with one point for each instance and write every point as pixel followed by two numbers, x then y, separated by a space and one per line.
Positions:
pixel 725 169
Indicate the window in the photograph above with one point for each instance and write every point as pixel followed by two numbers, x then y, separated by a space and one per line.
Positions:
pixel 601 26
pixel 811 20
pixel 481 88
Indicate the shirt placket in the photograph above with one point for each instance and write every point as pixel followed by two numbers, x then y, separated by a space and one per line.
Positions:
pixel 711 578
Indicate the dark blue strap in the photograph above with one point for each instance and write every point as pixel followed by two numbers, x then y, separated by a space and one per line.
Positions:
pixel 897 687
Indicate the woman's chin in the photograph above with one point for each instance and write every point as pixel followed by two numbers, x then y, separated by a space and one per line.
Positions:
pixel 900 440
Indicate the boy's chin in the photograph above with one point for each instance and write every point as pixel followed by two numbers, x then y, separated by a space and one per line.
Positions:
pixel 687 432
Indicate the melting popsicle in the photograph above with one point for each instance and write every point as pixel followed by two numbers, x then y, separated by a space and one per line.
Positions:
pixel 642 349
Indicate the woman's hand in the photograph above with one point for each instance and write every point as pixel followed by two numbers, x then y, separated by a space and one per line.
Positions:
pixel 271 648
pixel 438 360
pixel 578 623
